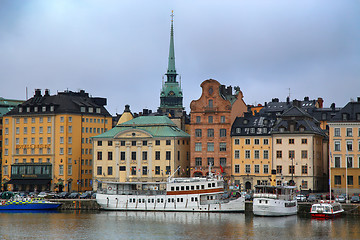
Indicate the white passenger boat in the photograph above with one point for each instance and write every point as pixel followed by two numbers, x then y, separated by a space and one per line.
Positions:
pixel 177 194
pixel 274 200
pixel 326 209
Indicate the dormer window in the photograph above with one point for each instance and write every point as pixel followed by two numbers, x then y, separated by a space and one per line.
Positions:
pixel 245 121
pixel 282 129
pixel 265 122
pixel 98 110
pixel 211 103
pixel 36 109
pixel 44 108
pixel 91 110
pixel 238 130
pixel 82 109
pixel 302 129
pixel 344 116
pixel 51 108
pixel 20 109
pixel 358 116
pixel 28 109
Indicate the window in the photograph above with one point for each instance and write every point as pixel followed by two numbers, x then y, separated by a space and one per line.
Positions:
pixel 157 170
pixel 256 141
pixel 144 143
pixel 210 146
pixel 349 161
pixel 291 141
pixel 110 155
pixel 337 146
pixel 222 132
pixel 70 129
pixel 237 154
pixel 278 169
pixel 237 168
pixel 291 169
pixel 304 154
pixel 25 130
pixel 168 155
pixel 211 103
pixel 133 143
pixel 198 161
pixel 122 156
pixel 70 139
pixel 61 170
pixel 278 154
pixel 266 169
pixel 61 151
pixel 49 140
pixel 144 155
pixel 198 133
pixel 144 170
pixel 337 180
pixel 222 146
pixel 223 162
pixel 110 171
pixel 247 141
pixel 337 161
pixel 198 147
pixel 210 161
pixel 266 154
pixel 157 142
pixel 304 184
pixel 237 141
pixel 133 156
pixel 99 170
pixel 198 119
pixel 304 141
pixel 266 141
pixel 133 170
pixel 61 140
pixel 349 132
pixel 48 129
pixel 61 119
pixel 25 120
pixel 210 132
pixel 256 154
pixel 61 129
pixel 304 169
pixel 350 180
pixel 168 142
pixel 257 168
pixel 247 154
pixel 99 155
pixel 210 119
pixel 70 119
pixel 278 141
pixel 291 154
pixel 349 146
pixel 247 168
pixel 157 155
pixel 222 119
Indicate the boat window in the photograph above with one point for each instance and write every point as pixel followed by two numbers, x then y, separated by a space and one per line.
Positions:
pixel 148 200
pixel 213 184
pixel 130 200
pixel 172 188
pixel 172 200
pixel 327 209
pixel 169 200
pixel 192 199
pixel 195 199
pixel 202 186
pixel 162 200
pixel 177 188
pixel 209 185
pixel 152 200
pixel 143 200
pixel 197 187
pixel 182 188
pixel 259 201
pixel 182 200
pixel 187 187
pixel 158 200
pixel 192 187
pixel 178 200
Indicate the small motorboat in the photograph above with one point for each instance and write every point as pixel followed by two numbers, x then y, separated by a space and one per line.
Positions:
pixel 326 210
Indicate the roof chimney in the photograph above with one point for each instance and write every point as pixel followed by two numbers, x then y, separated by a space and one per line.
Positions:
pixel 320 102
pixel 358 99
pixel 47 92
pixel 37 93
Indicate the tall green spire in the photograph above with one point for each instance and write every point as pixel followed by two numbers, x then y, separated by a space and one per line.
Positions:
pixel 171 71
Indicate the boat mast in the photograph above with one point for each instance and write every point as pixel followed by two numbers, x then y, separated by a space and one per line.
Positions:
pixel 174 173
pixel 330 161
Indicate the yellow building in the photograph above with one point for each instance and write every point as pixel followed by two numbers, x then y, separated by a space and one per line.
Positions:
pixel 251 150
pixel 344 141
pixel 47 144
pixel 146 148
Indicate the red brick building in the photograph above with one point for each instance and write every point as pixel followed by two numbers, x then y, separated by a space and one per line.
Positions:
pixel 212 116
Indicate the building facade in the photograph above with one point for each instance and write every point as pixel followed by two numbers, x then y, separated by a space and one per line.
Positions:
pixel 212 116
pixel 344 143
pixel 146 148
pixel 47 143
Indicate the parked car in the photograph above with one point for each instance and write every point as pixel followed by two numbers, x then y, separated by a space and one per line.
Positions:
pixel 301 198
pixel 312 198
pixel 74 195
pixel 340 199
pixel 63 195
pixel 85 195
pixel 93 196
pixel 42 195
pixel 355 199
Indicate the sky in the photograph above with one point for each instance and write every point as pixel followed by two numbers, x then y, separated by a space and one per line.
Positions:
pixel 119 49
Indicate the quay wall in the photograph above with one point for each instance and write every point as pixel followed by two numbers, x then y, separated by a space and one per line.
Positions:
pixel 91 204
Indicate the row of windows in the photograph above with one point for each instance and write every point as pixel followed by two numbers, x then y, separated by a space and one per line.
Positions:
pixel 134 170
pixel 304 169
pixel 92 130
pixel 248 168
pixel 210 119
pixel 304 154
pixel 248 154
pixel 210 161
pixel 248 141
pixel 93 120
pixel 193 187
pixel 161 200
pixel 144 143
pixel 349 145
pixel 348 133
pixel 210 132
pixel 262 130
pixel 33 140
pixel 349 162
pixel 291 141
pixel 350 179
pixel 133 155
pixel 210 147
pixel 33 120
pixel 31 151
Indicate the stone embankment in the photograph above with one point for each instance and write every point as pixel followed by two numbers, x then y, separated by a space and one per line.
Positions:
pixel 91 204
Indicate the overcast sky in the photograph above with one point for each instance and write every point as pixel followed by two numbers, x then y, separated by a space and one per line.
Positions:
pixel 119 49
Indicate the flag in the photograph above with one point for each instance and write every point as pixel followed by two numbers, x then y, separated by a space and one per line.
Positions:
pixel 222 170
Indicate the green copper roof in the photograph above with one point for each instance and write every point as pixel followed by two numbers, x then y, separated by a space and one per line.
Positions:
pixel 156 126
pixel 171 65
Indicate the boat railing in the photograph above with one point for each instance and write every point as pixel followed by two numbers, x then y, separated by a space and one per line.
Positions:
pixel 135 192
pixel 273 196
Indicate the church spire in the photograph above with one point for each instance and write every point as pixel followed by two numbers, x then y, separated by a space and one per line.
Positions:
pixel 171 71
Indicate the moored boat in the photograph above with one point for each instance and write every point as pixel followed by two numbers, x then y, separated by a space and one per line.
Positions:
pixel 19 203
pixel 326 210
pixel 274 200
pixel 177 194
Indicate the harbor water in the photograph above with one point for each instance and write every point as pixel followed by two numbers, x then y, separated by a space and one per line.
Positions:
pixel 161 225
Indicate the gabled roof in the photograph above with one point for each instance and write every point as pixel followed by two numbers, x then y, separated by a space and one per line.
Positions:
pixel 295 111
pixel 351 110
pixel 250 125
pixel 156 126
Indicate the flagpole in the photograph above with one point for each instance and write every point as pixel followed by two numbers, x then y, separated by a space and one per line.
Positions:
pixel 330 161
pixel 346 180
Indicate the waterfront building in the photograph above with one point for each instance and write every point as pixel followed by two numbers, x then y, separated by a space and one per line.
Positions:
pixel 300 150
pixel 344 141
pixel 252 149
pixel 47 143
pixel 171 96
pixel 143 149
pixel 212 116
pixel 6 105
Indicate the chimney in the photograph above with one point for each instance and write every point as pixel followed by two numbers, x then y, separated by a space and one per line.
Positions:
pixel 37 93
pixel 275 100
pixel 333 106
pixel 320 102
pixel 306 98
pixel 47 92
pixel 358 99
pixel 288 100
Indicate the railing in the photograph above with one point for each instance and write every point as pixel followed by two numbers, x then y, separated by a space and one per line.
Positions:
pixel 135 192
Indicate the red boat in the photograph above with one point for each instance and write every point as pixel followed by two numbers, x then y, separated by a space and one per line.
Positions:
pixel 326 210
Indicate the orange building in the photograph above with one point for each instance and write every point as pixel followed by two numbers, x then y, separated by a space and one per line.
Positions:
pixel 211 118
pixel 47 143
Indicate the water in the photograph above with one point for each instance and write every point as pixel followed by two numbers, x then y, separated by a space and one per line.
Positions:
pixel 159 225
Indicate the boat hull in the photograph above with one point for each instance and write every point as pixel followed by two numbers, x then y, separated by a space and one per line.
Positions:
pixel 30 206
pixel 274 207
pixel 181 203
pixel 325 215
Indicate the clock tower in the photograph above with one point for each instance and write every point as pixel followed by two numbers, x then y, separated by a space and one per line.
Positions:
pixel 171 96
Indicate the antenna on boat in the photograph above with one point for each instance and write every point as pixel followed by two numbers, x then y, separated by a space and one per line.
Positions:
pixel 174 173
